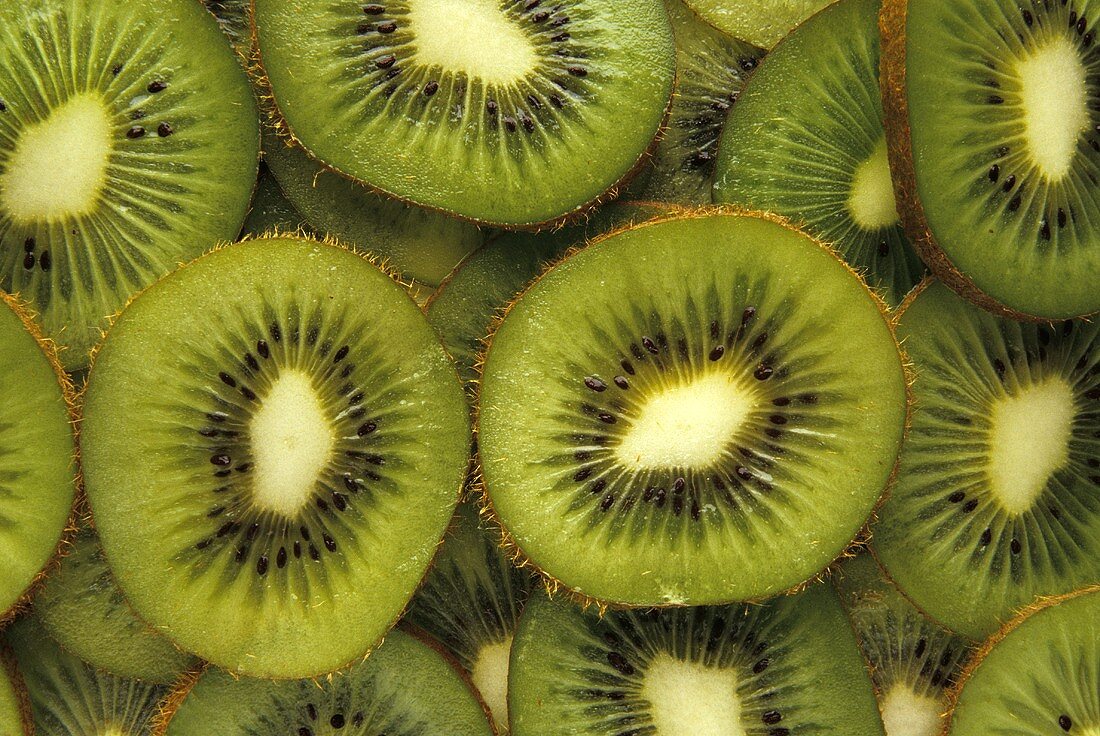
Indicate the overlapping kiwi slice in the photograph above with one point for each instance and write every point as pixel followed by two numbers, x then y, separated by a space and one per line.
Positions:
pixel 274 441
pixel 760 22
pixel 14 715
pixel 998 492
pixel 786 667
pixel 271 211
pixel 995 139
pixel 124 149
pixel 713 421
pixel 806 141
pixel 514 113
pixel 405 688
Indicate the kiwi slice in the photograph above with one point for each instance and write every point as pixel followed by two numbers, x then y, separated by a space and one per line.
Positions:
pixel 913 661
pixel 81 607
pixel 405 688
pixel 128 143
pixel 274 442
pixel 760 22
pixel 513 113
pixel 788 666
pixel 1039 676
pixel 271 210
pixel 995 142
pixel 232 17
pixel 37 453
pixel 806 141
pixel 998 493
pixel 692 431
pixel 14 715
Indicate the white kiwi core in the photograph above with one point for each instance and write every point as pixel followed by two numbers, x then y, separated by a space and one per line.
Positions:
pixel 291 440
pixel 904 713
pixel 471 36
pixel 490 677
pixel 691 699
pixel 58 167
pixel 1054 98
pixel 871 199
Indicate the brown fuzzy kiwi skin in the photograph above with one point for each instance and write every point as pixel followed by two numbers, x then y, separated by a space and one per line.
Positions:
pixel 8 667
pixel 552 585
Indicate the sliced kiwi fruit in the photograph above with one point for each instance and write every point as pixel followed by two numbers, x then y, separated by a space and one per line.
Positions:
pixel 998 493
pixel 271 210
pixel 81 608
pixel 232 17
pixel 128 143
pixel 37 453
pixel 785 667
pixel 913 661
pixel 806 141
pixel 14 715
pixel 514 113
pixel 994 134
pixel 692 431
pixel 1039 676
pixel 405 688
pixel 760 22
pixel 274 442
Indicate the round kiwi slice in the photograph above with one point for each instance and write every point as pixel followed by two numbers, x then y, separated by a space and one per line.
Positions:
pixel 271 210
pixel 273 441
pixel 81 607
pixel 995 142
pixel 1039 676
pixel 37 453
pixel 405 688
pixel 514 113
pixel 760 22
pixel 712 421
pixel 806 141
pixel 998 493
pixel 913 661
pixel 128 143
pixel 14 710
pixel 788 666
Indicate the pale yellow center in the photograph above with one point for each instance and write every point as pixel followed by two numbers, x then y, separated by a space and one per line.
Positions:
pixel 904 713
pixel 871 199
pixel 490 676
pixel 110 730
pixel 1054 97
pixel 690 699
pixel 471 36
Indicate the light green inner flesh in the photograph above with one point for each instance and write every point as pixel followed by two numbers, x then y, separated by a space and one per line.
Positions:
pixel 490 677
pixel 472 37
pixel 1054 99
pixel 871 200
pixel 691 698
pixel 905 713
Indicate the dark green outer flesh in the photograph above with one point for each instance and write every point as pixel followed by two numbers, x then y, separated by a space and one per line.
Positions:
pixel 271 210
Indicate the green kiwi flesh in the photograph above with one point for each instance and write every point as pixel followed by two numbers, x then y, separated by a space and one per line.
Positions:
pixel 405 688
pixel 695 430
pixel 997 499
pixel 232 18
pixel 12 698
pixel 273 504
pixel 806 141
pixel 506 113
pixel 271 211
pixel 759 22
pixel 787 666
pixel 123 151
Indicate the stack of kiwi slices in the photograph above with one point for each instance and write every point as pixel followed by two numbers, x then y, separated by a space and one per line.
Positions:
pixel 550 368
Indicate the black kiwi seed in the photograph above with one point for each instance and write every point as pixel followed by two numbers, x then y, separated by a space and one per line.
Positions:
pixel 1065 722
pixel 388 26
pixel 157 86
pixel 135 132
pixel 374 9
pixel 28 261
pixel 164 130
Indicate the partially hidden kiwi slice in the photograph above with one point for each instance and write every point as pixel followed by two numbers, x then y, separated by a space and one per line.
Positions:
pixel 405 688
pixel 128 143
pixel 1039 676
pixel 760 22
pixel 14 710
pixel 232 17
pixel 273 441
pixel 38 473
pixel 271 211
pixel 699 409
pixel 806 141
pixel 998 493
pixel 785 667
pixel 511 113
pixel 995 143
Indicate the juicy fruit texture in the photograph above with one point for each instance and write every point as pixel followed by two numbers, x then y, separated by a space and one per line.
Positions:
pixel 123 151
pixel 693 431
pixel 806 141
pixel 760 22
pixel 1057 692
pixel 994 140
pixel 404 688
pixel 998 493
pixel 37 455
pixel 274 502
pixel 11 703
pixel 501 112
pixel 780 668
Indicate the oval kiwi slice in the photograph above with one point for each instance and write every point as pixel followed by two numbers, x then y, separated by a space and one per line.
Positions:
pixel 788 666
pixel 995 142
pixel 14 715
pixel 405 688
pixel 1039 676
pixel 998 493
pixel 128 143
pixel 513 113
pixel 274 441
pixel 37 453
pixel 760 22
pixel 695 410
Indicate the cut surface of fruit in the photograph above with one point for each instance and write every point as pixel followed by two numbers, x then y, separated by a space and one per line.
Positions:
pixel 11 699
pixel 271 210
pixel 994 140
pixel 504 113
pixel 780 667
pixel 123 151
pixel 598 416
pixel 261 353
pixel 760 22
pixel 404 687
pixel 998 493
